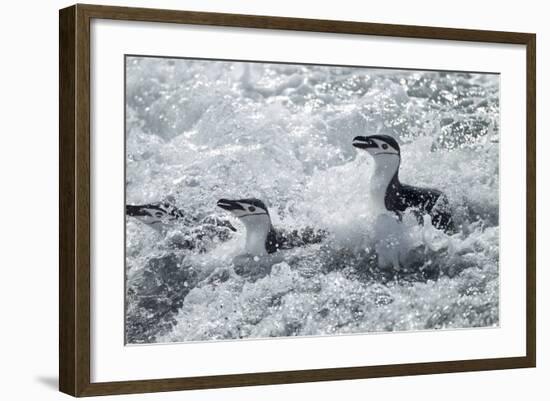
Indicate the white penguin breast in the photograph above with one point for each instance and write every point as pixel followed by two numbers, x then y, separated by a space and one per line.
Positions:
pixel 257 229
pixel 386 165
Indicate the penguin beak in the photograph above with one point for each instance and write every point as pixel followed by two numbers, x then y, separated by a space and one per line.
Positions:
pixel 136 211
pixel 229 205
pixel 364 142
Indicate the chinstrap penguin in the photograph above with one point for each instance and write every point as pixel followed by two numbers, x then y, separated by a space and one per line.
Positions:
pixel 185 231
pixel 388 192
pixel 160 214
pixel 261 237
pixel 156 214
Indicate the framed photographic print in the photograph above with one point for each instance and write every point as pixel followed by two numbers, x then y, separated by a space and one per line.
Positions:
pixel 250 200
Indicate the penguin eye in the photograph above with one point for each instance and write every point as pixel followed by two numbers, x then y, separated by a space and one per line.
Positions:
pixel 251 208
pixel 384 146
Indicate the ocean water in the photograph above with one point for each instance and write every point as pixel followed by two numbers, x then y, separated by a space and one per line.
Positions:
pixel 204 130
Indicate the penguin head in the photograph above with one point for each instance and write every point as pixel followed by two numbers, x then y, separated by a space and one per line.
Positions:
pixel 378 145
pixel 253 214
pixel 244 208
pixel 154 214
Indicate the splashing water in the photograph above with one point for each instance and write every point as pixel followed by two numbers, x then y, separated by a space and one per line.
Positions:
pixel 205 130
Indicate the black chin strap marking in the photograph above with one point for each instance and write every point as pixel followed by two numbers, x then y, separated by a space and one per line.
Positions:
pixel 253 214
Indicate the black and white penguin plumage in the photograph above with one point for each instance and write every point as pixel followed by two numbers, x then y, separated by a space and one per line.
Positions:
pixel 160 214
pixel 261 237
pixel 389 192
pixel 192 232
pixel 156 214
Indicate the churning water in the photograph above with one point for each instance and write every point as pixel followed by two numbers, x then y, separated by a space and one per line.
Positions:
pixel 204 130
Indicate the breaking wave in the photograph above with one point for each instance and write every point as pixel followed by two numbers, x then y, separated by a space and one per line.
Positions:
pixel 203 130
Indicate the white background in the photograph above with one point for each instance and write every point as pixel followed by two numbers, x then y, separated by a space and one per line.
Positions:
pixel 28 165
pixel 113 362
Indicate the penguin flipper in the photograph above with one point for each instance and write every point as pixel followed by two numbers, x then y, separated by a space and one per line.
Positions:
pixel 425 200
pixel 299 237
pixel 441 215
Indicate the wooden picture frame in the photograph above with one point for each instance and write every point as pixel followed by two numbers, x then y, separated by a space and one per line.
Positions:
pixel 74 199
